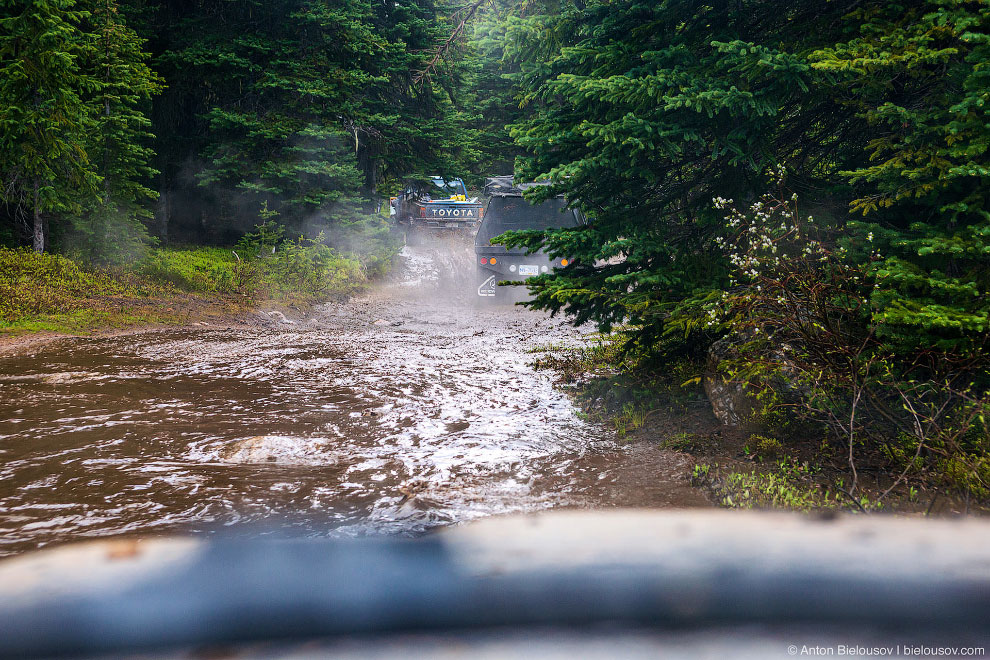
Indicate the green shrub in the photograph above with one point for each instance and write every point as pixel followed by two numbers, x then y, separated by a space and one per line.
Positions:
pixel 308 267
pixel 262 264
pixel 33 284
pixel 208 270
pixel 765 447
pixel 682 441
pixel 967 473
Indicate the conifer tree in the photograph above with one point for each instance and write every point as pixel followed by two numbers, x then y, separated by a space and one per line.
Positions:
pixel 44 119
pixel 307 105
pixel 643 112
pixel 489 100
pixel 110 227
pixel 917 75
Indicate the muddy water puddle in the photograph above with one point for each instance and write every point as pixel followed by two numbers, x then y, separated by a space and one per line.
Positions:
pixel 407 408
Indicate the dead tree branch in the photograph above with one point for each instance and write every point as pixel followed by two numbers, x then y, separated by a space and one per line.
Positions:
pixel 466 13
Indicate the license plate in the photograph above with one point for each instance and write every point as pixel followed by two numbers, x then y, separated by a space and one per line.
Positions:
pixel 451 224
pixel 529 270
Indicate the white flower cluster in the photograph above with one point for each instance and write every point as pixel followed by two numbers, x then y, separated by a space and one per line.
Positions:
pixel 778 174
pixel 760 235
pixel 760 230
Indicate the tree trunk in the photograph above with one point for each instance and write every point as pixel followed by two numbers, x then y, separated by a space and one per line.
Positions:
pixel 39 225
pixel 164 213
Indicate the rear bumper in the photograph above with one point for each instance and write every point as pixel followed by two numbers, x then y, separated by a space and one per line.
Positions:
pixel 506 274
pixel 510 266
pixel 456 225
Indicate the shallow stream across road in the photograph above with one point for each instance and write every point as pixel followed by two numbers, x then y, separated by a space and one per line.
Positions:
pixel 404 409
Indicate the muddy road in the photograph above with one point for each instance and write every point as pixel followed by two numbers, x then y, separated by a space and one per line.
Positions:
pixel 407 408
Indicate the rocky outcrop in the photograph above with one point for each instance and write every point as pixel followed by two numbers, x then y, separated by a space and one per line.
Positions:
pixel 733 404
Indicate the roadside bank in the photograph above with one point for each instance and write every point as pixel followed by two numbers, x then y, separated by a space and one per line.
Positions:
pixel 747 463
pixel 43 296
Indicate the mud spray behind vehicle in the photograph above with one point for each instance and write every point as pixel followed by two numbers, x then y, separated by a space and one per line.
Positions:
pixel 442 204
pixel 508 210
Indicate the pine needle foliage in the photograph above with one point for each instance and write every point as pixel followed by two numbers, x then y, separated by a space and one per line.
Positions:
pixel 642 113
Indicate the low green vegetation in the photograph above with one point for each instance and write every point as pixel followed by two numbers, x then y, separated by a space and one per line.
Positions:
pixel 764 446
pixel 631 417
pixel 196 269
pixel 600 355
pixel 789 461
pixel 784 485
pixel 683 441
pixel 624 388
pixel 299 268
pixel 296 271
pixel 49 292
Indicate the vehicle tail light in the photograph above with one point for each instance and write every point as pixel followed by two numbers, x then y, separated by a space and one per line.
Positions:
pixel 493 261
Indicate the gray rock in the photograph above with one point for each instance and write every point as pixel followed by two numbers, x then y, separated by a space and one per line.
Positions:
pixel 732 402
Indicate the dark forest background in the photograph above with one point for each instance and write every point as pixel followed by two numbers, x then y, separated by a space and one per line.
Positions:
pixel 192 121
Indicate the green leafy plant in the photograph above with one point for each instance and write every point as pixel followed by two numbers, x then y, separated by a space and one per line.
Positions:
pixel 788 485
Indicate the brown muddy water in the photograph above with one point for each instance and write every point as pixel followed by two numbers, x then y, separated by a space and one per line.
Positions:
pixel 405 409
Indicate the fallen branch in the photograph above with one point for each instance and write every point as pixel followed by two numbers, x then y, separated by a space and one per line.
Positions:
pixel 852 499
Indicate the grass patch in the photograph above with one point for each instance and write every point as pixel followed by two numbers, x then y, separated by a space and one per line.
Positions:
pixel 296 270
pixel 662 400
pixel 200 269
pixel 685 442
pixel 601 356
pixel 52 293
pixel 84 320
pixel 631 417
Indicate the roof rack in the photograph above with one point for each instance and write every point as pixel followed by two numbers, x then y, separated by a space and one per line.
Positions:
pixel 505 186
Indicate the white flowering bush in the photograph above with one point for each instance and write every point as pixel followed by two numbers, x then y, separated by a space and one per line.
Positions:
pixel 808 344
pixel 785 280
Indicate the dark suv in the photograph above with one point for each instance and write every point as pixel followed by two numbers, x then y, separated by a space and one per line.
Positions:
pixel 508 210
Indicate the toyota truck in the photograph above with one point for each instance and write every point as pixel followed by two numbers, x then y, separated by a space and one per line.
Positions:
pixel 437 205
